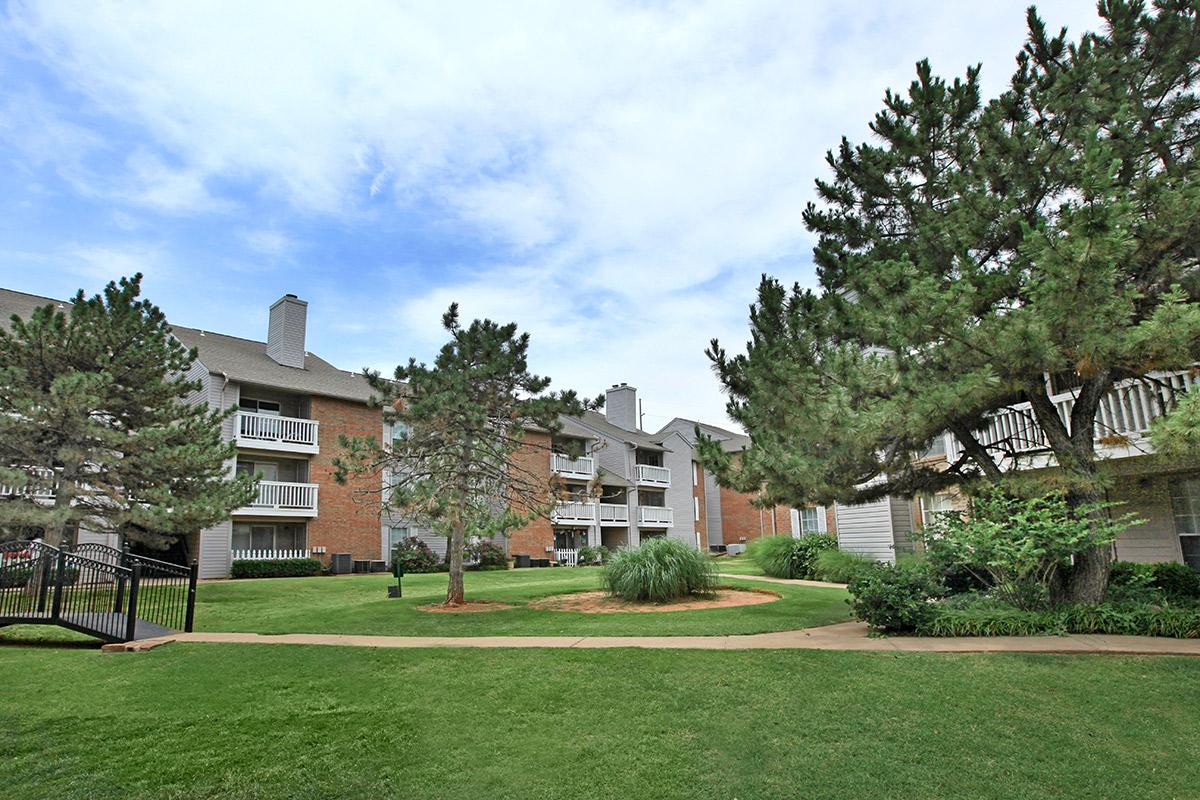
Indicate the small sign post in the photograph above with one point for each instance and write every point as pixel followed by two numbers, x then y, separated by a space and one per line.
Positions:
pixel 398 571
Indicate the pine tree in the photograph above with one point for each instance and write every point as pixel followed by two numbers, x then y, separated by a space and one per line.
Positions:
pixel 456 463
pixel 975 248
pixel 97 413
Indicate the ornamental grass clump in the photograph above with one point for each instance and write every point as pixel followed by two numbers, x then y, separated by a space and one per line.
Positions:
pixel 785 557
pixel 659 571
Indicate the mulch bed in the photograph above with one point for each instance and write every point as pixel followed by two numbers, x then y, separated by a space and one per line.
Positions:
pixel 602 603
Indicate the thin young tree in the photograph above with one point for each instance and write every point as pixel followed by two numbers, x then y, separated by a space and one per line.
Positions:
pixel 970 251
pixel 101 426
pixel 461 460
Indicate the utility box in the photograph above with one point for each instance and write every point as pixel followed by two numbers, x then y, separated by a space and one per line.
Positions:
pixel 341 563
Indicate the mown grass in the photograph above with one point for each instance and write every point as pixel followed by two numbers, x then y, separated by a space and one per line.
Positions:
pixel 737 565
pixel 359 604
pixel 249 721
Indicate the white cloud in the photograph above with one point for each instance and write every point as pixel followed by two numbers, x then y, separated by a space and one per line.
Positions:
pixel 269 242
pixel 638 166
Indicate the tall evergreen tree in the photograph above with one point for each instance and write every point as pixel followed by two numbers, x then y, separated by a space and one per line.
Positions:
pixel 975 248
pixel 461 462
pixel 99 426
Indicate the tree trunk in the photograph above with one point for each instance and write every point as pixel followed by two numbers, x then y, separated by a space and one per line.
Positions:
pixel 454 592
pixel 1088 578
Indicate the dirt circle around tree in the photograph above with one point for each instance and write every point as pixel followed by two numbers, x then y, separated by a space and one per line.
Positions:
pixel 469 607
pixel 603 603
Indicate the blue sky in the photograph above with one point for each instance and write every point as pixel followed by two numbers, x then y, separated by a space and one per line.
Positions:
pixel 612 176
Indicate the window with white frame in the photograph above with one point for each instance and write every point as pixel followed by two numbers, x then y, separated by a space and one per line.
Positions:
pixel 396 534
pixel 696 508
pixel 810 520
pixel 695 474
pixel 268 537
pixel 933 504
pixel 1185 507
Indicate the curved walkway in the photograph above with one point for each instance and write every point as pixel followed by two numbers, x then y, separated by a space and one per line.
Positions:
pixel 788 581
pixel 843 636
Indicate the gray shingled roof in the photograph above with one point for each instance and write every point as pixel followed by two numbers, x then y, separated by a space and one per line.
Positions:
pixel 597 421
pixel 242 360
pixel 731 442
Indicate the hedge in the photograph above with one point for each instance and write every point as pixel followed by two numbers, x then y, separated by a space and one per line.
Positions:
pixel 281 568
pixel 1143 620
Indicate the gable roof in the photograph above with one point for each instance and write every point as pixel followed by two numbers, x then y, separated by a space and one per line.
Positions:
pixel 731 442
pixel 600 424
pixel 242 360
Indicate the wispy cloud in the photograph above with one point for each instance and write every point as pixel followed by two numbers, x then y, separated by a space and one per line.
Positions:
pixel 626 171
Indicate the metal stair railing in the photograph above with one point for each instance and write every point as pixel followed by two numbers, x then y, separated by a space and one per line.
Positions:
pixel 94 589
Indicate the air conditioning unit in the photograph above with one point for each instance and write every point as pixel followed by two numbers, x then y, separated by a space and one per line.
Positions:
pixel 735 549
pixel 341 563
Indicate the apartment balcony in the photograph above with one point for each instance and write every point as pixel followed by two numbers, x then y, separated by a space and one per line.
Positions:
pixel 614 515
pixel 280 434
pixel 647 475
pixel 1122 421
pixel 574 513
pixel 582 468
pixel 42 488
pixel 282 499
pixel 655 517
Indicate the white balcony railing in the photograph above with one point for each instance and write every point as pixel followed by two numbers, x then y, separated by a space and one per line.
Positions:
pixel 1123 417
pixel 566 557
pixel 655 517
pixel 614 514
pixel 271 432
pixel 575 513
pixel 653 476
pixel 583 467
pixel 268 555
pixel 45 484
pixel 283 499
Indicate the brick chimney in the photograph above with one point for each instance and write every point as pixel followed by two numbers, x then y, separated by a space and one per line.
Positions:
pixel 285 332
pixel 620 406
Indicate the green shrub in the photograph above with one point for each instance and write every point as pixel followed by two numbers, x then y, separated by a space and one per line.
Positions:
pixel 1132 583
pixel 593 556
pixel 1179 582
pixel 1163 581
pixel 661 569
pixel 486 554
pixel 785 557
pixel 895 599
pixel 1106 618
pixel 280 568
pixel 1019 546
pixel 838 566
pixel 414 556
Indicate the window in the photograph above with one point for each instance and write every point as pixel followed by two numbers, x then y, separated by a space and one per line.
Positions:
pixel 259 406
pixel 1185 505
pixel 932 504
pixel 397 534
pixel 268 537
pixel 399 431
pixel 810 520
pixel 695 474
pixel 696 508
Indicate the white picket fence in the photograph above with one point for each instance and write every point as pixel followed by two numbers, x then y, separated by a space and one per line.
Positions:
pixel 268 555
pixel 568 557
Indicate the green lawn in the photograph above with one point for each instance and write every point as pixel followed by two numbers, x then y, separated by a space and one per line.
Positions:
pixel 358 604
pixel 240 721
pixel 737 565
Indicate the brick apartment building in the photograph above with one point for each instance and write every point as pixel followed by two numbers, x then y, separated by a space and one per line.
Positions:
pixel 290 407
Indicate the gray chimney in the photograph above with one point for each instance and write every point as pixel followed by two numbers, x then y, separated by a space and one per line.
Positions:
pixel 620 406
pixel 285 333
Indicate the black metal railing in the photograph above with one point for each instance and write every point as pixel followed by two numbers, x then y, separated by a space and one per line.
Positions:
pixel 95 589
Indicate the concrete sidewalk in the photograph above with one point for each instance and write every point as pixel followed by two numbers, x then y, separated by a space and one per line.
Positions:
pixel 787 581
pixel 843 636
